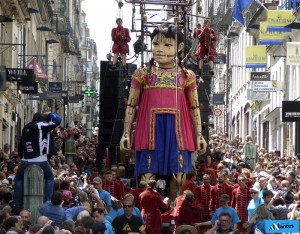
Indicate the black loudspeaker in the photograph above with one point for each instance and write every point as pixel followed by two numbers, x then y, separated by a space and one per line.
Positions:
pixel 204 91
pixel 111 92
pixel 111 131
pixel 114 92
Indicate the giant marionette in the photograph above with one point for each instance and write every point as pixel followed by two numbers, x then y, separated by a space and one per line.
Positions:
pixel 206 48
pixel 168 123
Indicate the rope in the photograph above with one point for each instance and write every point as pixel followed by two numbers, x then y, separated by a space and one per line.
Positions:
pixel 119 14
pixel 176 71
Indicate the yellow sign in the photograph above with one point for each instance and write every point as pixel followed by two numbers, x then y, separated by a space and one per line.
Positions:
pixel 279 18
pixel 256 56
pixel 269 38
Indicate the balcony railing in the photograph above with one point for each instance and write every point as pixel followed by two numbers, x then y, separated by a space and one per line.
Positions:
pixel 76 6
pixel 87 42
pixel 59 7
pixel 290 5
pixel 229 4
pixel 45 10
pixel 70 44
pixel 255 10
pixel 224 15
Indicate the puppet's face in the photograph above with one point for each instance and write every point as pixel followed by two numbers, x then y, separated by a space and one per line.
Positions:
pixel 164 50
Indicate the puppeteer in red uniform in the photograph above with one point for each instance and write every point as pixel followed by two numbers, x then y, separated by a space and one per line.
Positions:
pixel 120 37
pixel 151 204
pixel 206 48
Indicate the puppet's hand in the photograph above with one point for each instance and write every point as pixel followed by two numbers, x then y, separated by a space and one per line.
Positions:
pixel 125 142
pixel 201 144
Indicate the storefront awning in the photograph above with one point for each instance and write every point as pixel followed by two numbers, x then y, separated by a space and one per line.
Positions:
pixel 274 114
pixel 38 70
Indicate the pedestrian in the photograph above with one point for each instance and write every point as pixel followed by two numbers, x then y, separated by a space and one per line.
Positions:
pixel 35 145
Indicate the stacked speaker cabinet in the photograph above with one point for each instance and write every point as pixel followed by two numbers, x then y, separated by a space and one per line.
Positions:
pixel 204 93
pixel 114 90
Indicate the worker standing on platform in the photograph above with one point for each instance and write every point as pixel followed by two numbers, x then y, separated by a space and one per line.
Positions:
pixel 120 37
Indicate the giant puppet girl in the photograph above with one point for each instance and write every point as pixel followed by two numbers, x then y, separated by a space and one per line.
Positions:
pixel 168 123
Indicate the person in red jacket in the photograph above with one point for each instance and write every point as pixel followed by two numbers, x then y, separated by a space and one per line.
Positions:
pixel 206 48
pixel 189 212
pixel 202 196
pixel 137 192
pixel 151 203
pixel 208 164
pixel 240 199
pixel 218 190
pixel 120 37
pixel 117 180
pixel 111 186
pixel 189 184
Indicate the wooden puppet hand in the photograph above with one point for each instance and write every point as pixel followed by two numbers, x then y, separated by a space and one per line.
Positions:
pixel 201 145
pixel 125 142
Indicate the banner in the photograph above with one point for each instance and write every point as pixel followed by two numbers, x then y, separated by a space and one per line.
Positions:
pixel 219 99
pixel 282 226
pixel 278 19
pixel 38 70
pixel 260 76
pixel 55 86
pixel 257 96
pixel 293 53
pixel 269 38
pixel 28 87
pixel 290 111
pixel 239 6
pixel 267 86
pixel 256 56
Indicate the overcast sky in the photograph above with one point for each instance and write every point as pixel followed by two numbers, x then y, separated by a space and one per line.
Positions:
pixel 101 17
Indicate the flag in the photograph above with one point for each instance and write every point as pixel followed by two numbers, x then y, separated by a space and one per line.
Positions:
pixel 238 8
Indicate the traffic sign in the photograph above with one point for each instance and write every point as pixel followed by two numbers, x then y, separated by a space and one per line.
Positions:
pixel 217 112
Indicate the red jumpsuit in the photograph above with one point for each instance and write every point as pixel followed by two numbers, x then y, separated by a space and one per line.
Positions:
pixel 136 193
pixel 120 37
pixel 151 203
pixel 215 194
pixel 206 46
pixel 189 213
pixel 188 185
pixel 203 166
pixel 240 200
pixel 113 188
pixel 202 197
pixel 121 184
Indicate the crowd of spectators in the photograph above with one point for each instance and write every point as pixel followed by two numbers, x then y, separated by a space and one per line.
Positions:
pixel 243 181
pixel 230 190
